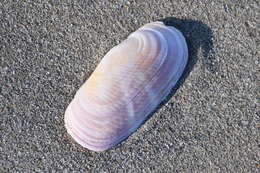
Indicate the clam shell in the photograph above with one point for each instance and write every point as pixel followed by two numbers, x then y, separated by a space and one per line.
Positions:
pixel 128 84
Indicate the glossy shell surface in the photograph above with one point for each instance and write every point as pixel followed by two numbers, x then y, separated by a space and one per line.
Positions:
pixel 132 79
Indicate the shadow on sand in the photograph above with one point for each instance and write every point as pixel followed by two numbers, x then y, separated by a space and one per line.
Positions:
pixel 198 36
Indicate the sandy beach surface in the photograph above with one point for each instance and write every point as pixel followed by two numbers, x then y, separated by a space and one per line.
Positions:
pixel 209 123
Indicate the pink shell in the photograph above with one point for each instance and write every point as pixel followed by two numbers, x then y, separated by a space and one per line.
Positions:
pixel 128 84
